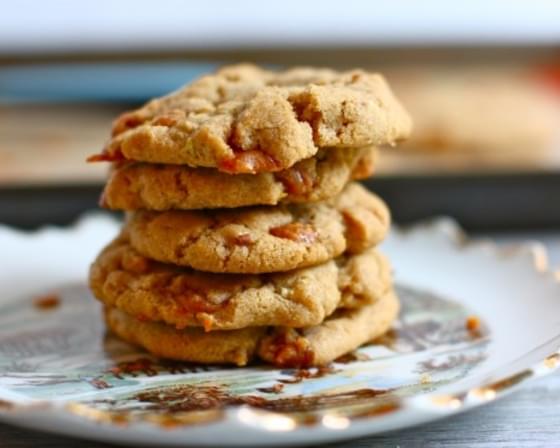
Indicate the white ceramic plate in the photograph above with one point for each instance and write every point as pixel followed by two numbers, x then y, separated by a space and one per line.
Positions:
pixel 60 371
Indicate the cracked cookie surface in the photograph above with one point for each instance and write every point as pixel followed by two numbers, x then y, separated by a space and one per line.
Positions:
pixel 317 345
pixel 244 119
pixel 182 297
pixel 133 186
pixel 262 239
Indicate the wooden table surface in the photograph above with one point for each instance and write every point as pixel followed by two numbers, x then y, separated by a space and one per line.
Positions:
pixel 529 418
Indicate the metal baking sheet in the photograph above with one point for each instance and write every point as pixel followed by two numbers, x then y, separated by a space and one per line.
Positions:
pixel 480 202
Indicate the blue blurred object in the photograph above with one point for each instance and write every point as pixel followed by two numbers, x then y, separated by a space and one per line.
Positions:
pixel 118 82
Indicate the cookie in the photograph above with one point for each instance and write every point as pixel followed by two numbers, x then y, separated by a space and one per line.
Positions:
pixel 164 187
pixel 262 239
pixel 489 113
pixel 189 344
pixel 244 119
pixel 149 290
pixel 318 345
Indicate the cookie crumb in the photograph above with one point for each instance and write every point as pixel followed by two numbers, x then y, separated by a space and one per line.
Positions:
pixel 46 302
pixel 99 383
pixel 473 324
pixel 276 389
pixel 425 378
pixel 352 357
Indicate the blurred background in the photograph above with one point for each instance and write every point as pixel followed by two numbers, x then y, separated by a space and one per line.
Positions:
pixel 480 78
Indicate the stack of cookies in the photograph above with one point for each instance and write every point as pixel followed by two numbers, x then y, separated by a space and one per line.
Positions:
pixel 246 236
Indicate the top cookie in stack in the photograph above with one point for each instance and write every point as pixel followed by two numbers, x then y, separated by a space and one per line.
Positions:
pixel 285 283
pixel 302 134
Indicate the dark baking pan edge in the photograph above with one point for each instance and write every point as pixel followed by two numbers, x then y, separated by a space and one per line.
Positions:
pixel 481 202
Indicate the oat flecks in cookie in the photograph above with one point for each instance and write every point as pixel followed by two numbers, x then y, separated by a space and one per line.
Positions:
pixel 181 297
pixel 244 119
pixel 133 186
pixel 262 239
pixel 344 331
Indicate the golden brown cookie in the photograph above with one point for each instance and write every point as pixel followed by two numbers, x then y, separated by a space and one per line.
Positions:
pixel 189 344
pixel 244 119
pixel 149 290
pixel 164 187
pixel 341 333
pixel 262 239
pixel 485 112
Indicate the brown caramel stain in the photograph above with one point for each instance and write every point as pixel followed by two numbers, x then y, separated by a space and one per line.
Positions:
pixel 183 398
pixel 187 404
pixel 303 374
pixel 176 405
pixel 186 398
pixel 149 367
pixel 141 366
pixel 47 302
pixel 450 362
